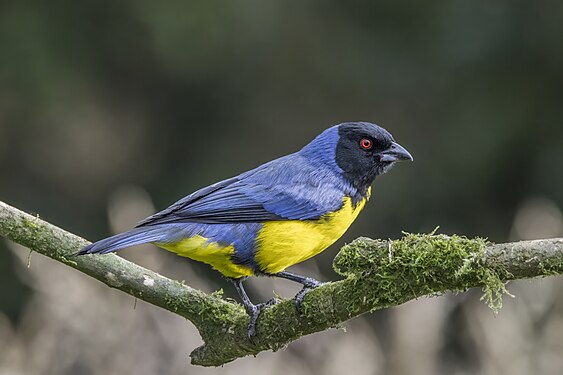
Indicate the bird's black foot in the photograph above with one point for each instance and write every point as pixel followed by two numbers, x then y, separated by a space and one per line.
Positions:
pixel 252 309
pixel 254 312
pixel 307 282
pixel 303 292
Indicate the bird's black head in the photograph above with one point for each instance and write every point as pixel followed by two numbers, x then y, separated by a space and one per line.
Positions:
pixel 366 150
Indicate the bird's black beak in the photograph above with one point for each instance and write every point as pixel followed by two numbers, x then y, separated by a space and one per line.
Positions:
pixel 395 153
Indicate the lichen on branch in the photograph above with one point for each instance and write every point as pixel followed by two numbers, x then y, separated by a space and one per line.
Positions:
pixel 378 274
pixel 421 264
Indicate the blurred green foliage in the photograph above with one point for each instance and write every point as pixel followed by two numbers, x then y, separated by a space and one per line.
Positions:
pixel 172 96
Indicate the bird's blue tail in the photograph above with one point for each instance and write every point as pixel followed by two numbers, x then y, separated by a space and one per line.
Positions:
pixel 136 236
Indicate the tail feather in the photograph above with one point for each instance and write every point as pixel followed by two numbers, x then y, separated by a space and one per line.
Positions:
pixel 120 241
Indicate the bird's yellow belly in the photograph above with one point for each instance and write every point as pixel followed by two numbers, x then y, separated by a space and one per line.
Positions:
pixel 281 244
pixel 218 256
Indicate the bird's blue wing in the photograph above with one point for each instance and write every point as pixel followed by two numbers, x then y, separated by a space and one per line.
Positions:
pixel 254 197
pixel 181 207
pixel 245 202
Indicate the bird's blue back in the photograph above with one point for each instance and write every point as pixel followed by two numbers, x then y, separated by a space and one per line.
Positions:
pixel 305 185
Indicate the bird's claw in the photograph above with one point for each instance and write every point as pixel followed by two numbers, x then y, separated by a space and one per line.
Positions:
pixel 254 312
pixel 303 292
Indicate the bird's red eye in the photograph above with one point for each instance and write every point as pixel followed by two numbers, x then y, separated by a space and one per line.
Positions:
pixel 366 144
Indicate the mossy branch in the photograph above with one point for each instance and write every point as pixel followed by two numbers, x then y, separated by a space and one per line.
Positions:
pixel 378 274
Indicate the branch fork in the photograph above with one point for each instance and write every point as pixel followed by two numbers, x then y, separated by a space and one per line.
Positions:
pixel 377 274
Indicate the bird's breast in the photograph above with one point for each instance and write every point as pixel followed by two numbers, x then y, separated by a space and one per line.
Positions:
pixel 281 244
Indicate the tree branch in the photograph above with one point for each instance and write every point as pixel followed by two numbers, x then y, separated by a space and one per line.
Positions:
pixel 378 274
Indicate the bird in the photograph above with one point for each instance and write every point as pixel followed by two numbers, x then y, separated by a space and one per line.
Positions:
pixel 279 214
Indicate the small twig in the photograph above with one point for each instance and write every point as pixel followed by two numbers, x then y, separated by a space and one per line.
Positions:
pixel 29 258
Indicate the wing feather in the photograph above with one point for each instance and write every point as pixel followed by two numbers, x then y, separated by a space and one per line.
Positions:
pixel 253 197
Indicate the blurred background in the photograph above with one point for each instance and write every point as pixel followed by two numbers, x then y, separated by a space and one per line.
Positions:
pixel 110 110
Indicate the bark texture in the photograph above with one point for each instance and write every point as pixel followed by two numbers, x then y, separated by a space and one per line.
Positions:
pixel 377 274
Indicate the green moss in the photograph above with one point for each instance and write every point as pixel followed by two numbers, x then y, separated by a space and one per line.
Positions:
pixel 30 224
pixel 67 261
pixel 550 269
pixel 416 265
